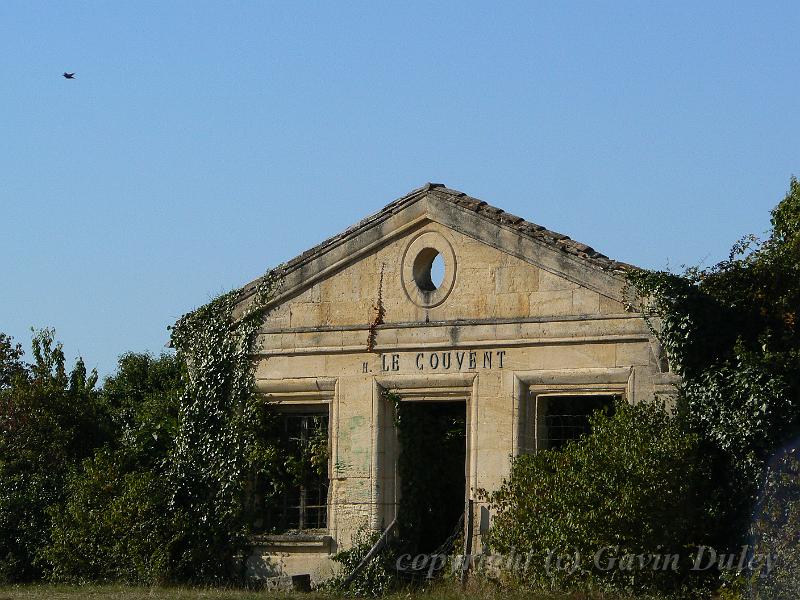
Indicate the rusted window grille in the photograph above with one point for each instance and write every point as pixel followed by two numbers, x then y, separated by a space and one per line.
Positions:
pixel 303 504
pixel 566 418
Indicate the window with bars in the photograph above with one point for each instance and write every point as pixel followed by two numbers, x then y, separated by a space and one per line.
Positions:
pixel 563 418
pixel 298 499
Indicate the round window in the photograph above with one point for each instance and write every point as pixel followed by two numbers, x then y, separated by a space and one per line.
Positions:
pixel 429 269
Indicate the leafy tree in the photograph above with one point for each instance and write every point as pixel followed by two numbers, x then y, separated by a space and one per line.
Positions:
pixel 49 421
pixel 11 364
pixel 142 398
pixel 650 483
pixel 731 332
pixel 115 523
pixel 113 526
pixel 164 499
pixel 148 478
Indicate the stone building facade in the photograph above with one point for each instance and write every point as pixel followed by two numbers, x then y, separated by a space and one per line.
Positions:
pixel 523 332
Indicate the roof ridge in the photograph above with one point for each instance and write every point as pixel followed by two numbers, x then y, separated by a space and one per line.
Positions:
pixel 529 229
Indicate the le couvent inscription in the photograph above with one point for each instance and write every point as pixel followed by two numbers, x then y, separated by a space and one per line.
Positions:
pixel 458 360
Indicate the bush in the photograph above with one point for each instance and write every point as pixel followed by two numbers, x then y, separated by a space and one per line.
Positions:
pixel 115 523
pixel 50 420
pixel 379 576
pixel 731 332
pixel 635 485
pixel 112 527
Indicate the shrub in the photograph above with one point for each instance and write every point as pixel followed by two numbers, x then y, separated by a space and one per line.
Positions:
pixel 731 332
pixel 115 523
pixel 112 527
pixel 50 420
pixel 379 576
pixel 635 485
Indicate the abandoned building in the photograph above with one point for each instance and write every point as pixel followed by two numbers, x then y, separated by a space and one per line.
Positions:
pixel 503 334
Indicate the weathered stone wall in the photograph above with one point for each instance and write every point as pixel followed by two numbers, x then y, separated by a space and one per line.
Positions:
pixel 488 284
pixel 507 328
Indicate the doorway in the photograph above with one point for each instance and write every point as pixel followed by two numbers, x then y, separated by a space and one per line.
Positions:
pixel 431 465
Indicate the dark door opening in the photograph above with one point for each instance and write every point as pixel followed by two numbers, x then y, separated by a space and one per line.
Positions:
pixel 431 466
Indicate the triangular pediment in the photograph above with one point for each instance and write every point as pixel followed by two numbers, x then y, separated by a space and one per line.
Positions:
pixel 555 256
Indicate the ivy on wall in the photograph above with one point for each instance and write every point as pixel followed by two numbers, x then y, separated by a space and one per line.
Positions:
pixel 215 439
pixel 731 332
pixel 646 483
pixel 281 461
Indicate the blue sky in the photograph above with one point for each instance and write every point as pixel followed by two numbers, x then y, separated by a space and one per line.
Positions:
pixel 202 143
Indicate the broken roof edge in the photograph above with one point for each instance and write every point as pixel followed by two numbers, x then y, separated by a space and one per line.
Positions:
pixel 483 209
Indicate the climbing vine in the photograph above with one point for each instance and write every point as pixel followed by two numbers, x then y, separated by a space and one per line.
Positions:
pixel 279 461
pixel 214 438
pixel 731 332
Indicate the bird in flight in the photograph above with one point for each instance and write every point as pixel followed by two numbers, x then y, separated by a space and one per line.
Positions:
pixel 69 75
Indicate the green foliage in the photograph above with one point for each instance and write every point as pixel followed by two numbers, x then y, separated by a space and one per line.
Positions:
pixel 777 527
pixel 145 480
pixel 379 576
pixel 731 332
pixel 279 462
pixel 50 420
pixel 635 484
pixel 315 452
pixel 214 439
pixel 142 398
pixel 113 526
pixel 114 523
pixel 11 365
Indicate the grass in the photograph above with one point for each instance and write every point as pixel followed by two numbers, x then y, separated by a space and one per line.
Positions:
pixel 125 592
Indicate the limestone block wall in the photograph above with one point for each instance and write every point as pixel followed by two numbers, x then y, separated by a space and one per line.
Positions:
pixel 363 491
pixel 488 284
pixel 507 330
